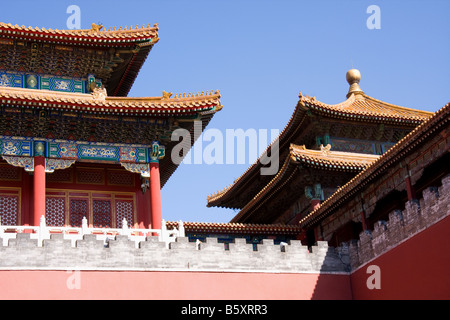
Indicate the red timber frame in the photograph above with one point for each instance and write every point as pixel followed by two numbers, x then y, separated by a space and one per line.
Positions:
pixel 104 193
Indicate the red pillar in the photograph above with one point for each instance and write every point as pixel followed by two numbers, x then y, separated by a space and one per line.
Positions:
pixel 410 189
pixel 363 220
pixel 318 233
pixel 155 195
pixel 39 189
pixel 302 237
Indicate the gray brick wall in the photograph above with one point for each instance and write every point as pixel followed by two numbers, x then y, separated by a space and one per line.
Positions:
pixel 121 254
pixel 401 225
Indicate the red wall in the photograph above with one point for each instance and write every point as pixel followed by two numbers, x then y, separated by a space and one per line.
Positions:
pixel 416 269
pixel 171 285
pixel 419 268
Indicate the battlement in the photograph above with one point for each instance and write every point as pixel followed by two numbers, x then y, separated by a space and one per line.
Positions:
pixel 401 225
pixel 121 253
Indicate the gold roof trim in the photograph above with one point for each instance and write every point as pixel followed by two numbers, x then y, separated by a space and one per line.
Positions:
pixel 363 106
pixel 42 97
pixel 327 156
pixel 323 159
pixel 324 156
pixel 353 77
pixel 411 140
pixel 95 31
pixel 358 107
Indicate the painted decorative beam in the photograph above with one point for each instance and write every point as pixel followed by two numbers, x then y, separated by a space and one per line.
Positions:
pixel 47 82
pixel 61 154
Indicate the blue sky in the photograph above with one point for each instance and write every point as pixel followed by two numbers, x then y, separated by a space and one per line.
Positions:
pixel 260 55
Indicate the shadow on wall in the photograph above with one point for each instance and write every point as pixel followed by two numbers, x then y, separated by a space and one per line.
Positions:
pixel 331 284
pixel 415 269
pixel 404 257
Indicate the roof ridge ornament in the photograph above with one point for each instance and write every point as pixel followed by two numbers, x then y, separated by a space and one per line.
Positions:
pixel 99 93
pixel 96 27
pixel 353 77
pixel 325 149
pixel 166 95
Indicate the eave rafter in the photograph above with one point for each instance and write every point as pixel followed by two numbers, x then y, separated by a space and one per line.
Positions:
pixel 89 37
pixel 300 160
pixel 358 109
pixel 99 103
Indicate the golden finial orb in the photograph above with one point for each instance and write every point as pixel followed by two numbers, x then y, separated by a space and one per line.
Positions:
pixel 353 77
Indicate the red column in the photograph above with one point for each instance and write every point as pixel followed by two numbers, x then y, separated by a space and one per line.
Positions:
pixel 155 195
pixel 363 220
pixel 39 189
pixel 318 233
pixel 302 237
pixel 410 189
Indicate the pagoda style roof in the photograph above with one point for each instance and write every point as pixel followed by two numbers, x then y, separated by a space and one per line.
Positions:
pixel 298 159
pixel 320 159
pixel 96 36
pixel 361 107
pixel 395 154
pixel 145 118
pixel 114 56
pixel 331 160
pixel 99 103
pixel 358 108
pixel 76 83
pixel 237 228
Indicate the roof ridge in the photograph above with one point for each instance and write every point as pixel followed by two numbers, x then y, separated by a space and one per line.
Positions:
pixel 89 95
pixel 397 106
pixel 95 32
pixel 341 110
pixel 373 165
pixel 95 28
pixel 350 105
pixel 328 154
pixel 99 102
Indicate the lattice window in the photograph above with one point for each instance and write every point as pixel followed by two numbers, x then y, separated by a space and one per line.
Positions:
pixel 121 178
pixel 78 208
pixel 101 213
pixel 9 210
pixel 8 172
pixel 124 209
pixel 90 176
pixel 60 176
pixel 54 211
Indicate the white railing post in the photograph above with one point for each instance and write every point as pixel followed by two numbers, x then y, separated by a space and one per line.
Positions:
pixel 84 226
pixel 42 231
pixel 181 229
pixel 125 230
pixel 2 231
pixel 163 234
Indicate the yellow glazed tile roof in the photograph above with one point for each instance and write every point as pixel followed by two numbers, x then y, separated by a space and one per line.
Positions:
pixel 331 160
pixel 398 151
pixel 362 107
pixel 236 228
pixel 100 103
pixel 96 35
pixel 358 107
pixel 323 159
